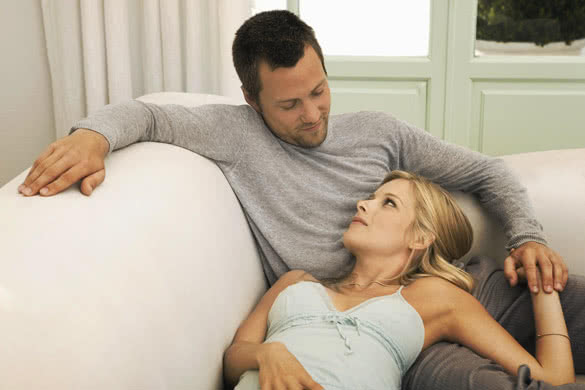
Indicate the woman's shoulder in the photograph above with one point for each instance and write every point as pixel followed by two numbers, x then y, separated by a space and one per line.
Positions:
pixel 435 292
pixel 432 283
pixel 295 276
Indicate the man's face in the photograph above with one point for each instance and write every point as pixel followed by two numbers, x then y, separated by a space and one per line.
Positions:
pixel 295 102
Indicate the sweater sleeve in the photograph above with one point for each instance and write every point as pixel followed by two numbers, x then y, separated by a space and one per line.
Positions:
pixel 213 131
pixel 459 169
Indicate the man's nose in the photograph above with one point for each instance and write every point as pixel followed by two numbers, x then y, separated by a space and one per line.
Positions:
pixel 311 113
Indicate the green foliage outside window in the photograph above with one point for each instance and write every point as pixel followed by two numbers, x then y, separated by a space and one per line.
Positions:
pixel 538 21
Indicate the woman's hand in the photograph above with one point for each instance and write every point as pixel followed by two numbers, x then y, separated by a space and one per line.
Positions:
pixel 279 370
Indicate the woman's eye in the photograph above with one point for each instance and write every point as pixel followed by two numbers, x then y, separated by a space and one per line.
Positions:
pixel 317 93
pixel 390 202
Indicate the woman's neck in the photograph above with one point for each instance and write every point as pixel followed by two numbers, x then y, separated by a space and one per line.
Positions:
pixel 371 273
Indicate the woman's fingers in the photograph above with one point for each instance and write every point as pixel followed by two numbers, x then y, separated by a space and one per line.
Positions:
pixel 312 385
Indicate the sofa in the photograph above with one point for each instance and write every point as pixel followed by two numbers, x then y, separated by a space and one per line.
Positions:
pixel 143 284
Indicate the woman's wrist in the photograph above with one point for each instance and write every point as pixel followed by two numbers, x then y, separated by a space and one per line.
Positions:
pixel 266 350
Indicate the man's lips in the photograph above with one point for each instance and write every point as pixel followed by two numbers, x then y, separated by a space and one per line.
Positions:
pixel 314 127
pixel 359 220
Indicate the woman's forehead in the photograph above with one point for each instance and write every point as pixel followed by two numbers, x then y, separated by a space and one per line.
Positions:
pixel 396 187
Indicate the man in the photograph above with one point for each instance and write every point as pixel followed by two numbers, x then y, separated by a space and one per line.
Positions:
pixel 298 172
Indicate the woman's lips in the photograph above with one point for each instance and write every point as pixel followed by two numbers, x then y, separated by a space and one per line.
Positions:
pixel 359 220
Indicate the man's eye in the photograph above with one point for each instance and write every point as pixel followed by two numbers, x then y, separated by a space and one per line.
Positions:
pixel 289 107
pixel 318 93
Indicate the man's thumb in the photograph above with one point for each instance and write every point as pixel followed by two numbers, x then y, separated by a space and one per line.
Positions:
pixel 92 181
pixel 510 270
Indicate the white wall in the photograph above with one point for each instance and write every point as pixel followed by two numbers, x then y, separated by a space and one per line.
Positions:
pixel 26 105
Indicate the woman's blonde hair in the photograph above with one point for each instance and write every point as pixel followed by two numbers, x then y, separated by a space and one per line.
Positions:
pixel 440 220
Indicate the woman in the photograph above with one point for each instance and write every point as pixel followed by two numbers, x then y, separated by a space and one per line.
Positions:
pixel 365 329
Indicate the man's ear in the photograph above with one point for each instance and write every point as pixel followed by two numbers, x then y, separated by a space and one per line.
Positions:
pixel 422 241
pixel 251 101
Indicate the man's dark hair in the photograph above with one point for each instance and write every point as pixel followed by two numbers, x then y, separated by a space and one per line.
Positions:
pixel 277 37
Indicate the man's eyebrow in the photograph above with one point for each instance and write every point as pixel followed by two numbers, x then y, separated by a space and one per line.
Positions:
pixel 294 99
pixel 319 85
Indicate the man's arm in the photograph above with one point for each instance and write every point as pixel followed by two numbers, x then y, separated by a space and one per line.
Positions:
pixel 214 131
pixel 489 179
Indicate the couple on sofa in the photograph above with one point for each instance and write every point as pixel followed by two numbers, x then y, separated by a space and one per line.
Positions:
pixel 297 171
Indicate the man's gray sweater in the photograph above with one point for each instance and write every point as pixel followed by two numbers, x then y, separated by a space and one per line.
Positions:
pixel 299 201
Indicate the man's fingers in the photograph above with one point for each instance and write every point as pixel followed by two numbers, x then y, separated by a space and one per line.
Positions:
pixel 92 181
pixel 64 181
pixel 510 270
pixel 53 172
pixel 546 271
pixel 46 153
pixel 561 274
pixel 39 167
pixel 47 171
pixel 532 277
pixel 565 276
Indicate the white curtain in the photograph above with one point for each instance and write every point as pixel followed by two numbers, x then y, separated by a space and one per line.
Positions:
pixel 108 51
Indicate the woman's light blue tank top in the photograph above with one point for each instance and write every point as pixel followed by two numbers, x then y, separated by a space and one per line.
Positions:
pixel 370 346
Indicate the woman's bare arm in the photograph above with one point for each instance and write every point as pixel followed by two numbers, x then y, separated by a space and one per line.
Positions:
pixel 471 325
pixel 248 352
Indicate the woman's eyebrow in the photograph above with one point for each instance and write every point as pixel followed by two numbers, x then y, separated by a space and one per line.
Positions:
pixel 373 196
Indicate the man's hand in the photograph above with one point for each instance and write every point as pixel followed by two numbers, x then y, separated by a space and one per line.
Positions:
pixel 67 160
pixel 534 257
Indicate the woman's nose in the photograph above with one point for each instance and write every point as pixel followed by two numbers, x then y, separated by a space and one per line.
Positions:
pixel 361 205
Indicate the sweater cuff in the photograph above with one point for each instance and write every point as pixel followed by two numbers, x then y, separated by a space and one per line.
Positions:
pixel 86 124
pixel 520 239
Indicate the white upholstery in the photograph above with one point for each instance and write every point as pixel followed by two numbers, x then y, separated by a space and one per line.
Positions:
pixel 556 186
pixel 143 284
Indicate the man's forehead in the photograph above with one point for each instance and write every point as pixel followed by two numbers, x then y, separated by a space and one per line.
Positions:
pixel 285 83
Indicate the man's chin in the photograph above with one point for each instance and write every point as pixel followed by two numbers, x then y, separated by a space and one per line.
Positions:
pixel 314 139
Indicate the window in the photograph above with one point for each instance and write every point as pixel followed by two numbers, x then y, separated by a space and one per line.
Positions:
pixel 365 28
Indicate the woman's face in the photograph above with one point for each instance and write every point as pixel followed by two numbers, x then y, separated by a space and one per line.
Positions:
pixel 382 223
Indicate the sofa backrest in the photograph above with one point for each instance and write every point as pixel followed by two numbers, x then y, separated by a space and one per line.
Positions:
pixel 555 181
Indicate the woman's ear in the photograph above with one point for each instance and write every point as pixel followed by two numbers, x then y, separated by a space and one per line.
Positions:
pixel 422 241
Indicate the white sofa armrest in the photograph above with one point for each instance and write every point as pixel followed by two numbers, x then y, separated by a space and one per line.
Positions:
pixel 140 286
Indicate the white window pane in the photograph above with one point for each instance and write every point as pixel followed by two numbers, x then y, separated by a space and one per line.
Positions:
pixel 267 5
pixel 369 27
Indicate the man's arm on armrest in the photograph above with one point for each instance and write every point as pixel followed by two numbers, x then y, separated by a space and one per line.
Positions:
pixel 81 155
pixel 214 131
